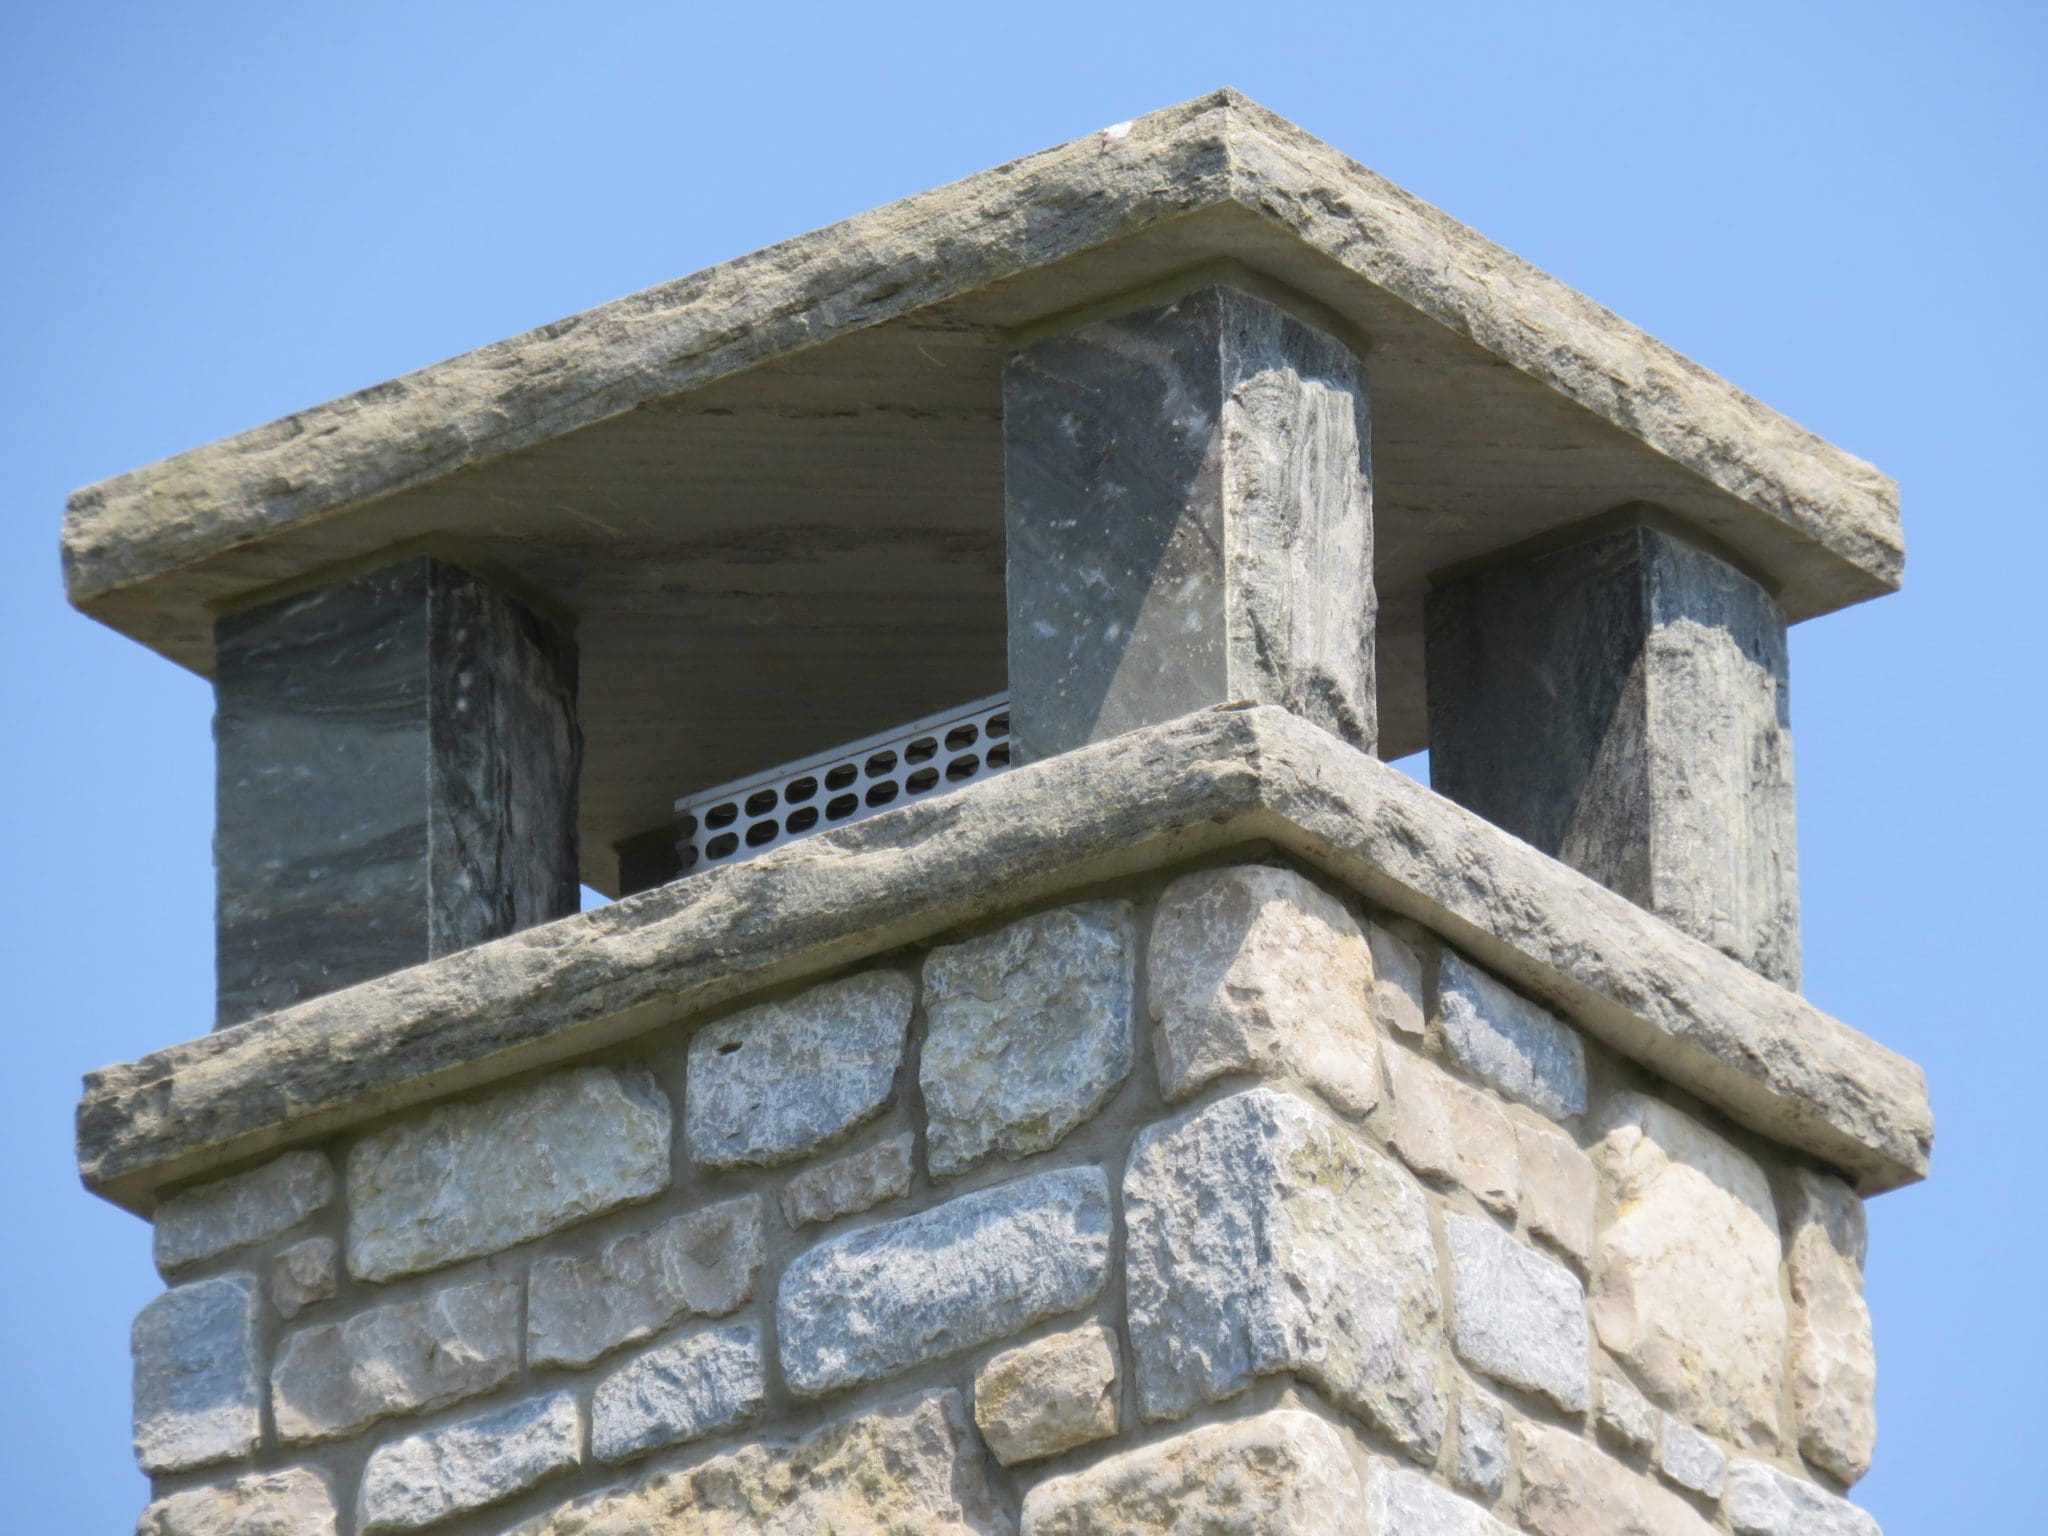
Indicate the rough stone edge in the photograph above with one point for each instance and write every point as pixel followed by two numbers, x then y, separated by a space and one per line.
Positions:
pixel 1222 778
pixel 938 245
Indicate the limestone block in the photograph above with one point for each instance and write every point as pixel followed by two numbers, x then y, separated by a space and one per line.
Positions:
pixel 978 1268
pixel 407 1357
pixel 1570 1489
pixel 1280 1473
pixel 1263 1236
pixel 701 1264
pixel 1446 1130
pixel 1255 969
pixel 1503 1039
pixel 294 1502
pixel 472 1464
pixel 680 1392
pixel 1690 1459
pixel 248 1208
pixel 1685 1276
pixel 1833 1363
pixel 1397 983
pixel 1482 1465
pixel 1049 1395
pixel 198 1374
pixel 1762 1501
pixel 1627 1417
pixel 1028 1033
pixel 1403 1503
pixel 1559 1190
pixel 858 1181
pixel 778 1082
pixel 473 1177
pixel 304 1274
pixel 908 1468
pixel 1517 1316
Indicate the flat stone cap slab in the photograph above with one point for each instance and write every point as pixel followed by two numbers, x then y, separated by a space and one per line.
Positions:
pixel 1221 779
pixel 793 461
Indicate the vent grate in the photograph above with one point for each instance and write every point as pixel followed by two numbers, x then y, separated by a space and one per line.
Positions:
pixel 736 821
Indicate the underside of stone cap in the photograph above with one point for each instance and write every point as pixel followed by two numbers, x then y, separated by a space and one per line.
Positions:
pixel 793 462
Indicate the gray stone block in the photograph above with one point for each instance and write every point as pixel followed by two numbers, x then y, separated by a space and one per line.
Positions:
pixel 778 1082
pixel 978 1268
pixel 1689 1459
pixel 1517 1316
pixel 294 1502
pixel 250 1207
pixel 1403 1503
pixel 1762 1501
pixel 680 1392
pixel 471 1178
pixel 1028 1033
pixel 397 764
pixel 198 1374
pixel 1264 1237
pixel 430 1477
pixel 1623 704
pixel 1188 504
pixel 1833 1363
pixel 703 1264
pixel 1482 1464
pixel 1527 1052
pixel 303 1274
pixel 847 1185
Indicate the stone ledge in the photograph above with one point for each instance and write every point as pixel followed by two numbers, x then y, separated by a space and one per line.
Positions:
pixel 1218 779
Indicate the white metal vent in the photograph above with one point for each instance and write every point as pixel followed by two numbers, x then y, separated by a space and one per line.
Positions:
pixel 928 757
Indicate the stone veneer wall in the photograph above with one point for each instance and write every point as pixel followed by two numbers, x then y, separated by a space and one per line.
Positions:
pixel 1204 1203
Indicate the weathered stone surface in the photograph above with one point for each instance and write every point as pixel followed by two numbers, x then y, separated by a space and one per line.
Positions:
pixel 1482 1465
pixel 775 1083
pixel 398 758
pixel 1280 1473
pixel 1403 1503
pixel 1833 1363
pixel 1622 704
pixel 1397 983
pixel 680 1392
pixel 304 1274
pixel 1446 1130
pixel 249 1208
pixel 472 1178
pixel 909 1468
pixel 427 1478
pixel 1690 1459
pixel 1254 969
pixel 858 1181
pixel 1627 1417
pixel 1263 1236
pixel 1173 793
pixel 1762 1501
pixel 407 1357
pixel 1527 1052
pixel 1685 1279
pixel 978 1268
pixel 1049 1395
pixel 1213 453
pixel 1559 1190
pixel 295 1502
pixel 1028 1032
pixel 1570 1489
pixel 702 1264
pixel 198 1374
pixel 1517 1316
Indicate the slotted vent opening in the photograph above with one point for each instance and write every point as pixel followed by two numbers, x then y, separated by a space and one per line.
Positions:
pixel 734 822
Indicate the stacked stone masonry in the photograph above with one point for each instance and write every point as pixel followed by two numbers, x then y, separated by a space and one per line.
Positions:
pixel 1214 1201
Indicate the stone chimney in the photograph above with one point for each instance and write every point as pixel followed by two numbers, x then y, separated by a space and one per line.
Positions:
pixel 1047 1073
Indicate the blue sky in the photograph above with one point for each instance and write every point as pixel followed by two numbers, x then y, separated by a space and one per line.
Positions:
pixel 213 214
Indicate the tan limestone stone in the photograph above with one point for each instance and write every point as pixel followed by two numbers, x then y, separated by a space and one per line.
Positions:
pixel 1685 1277
pixel 1570 1489
pixel 1559 1190
pixel 1444 1129
pixel 1397 983
pixel 1049 1395
pixel 1282 1473
pixel 1833 1364
pixel 1255 969
pixel 295 1502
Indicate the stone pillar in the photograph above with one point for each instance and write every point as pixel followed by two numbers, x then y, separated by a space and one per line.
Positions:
pixel 1622 704
pixel 397 756
pixel 1188 501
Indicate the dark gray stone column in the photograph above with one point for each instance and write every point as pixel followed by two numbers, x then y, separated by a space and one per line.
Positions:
pixel 1622 704
pixel 397 757
pixel 1188 501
